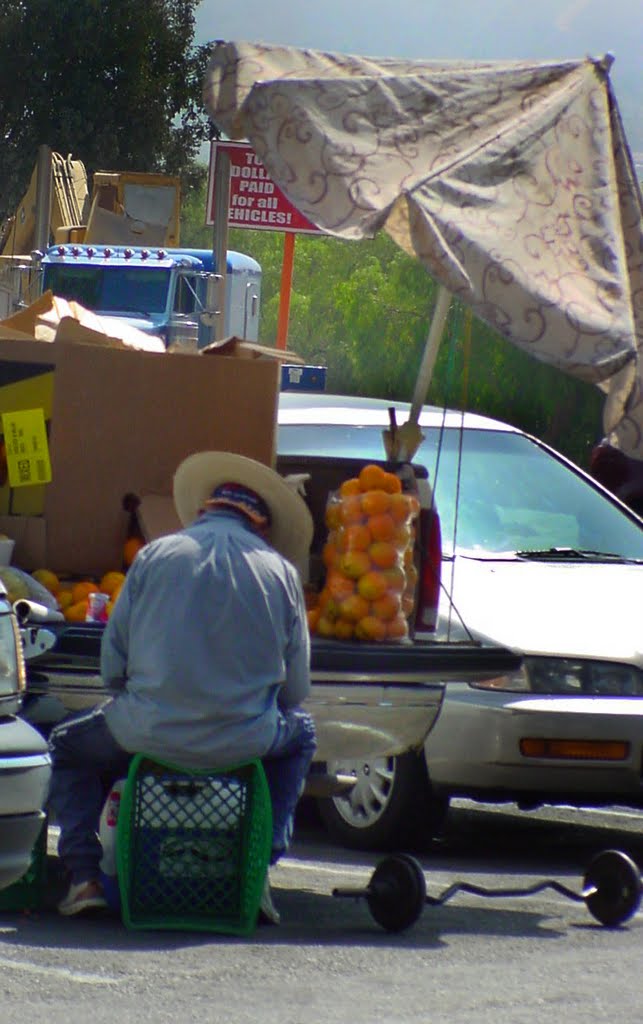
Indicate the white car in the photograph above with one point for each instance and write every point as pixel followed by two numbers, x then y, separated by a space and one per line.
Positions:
pixel 538 557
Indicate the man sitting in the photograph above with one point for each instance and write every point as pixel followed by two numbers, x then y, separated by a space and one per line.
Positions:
pixel 207 654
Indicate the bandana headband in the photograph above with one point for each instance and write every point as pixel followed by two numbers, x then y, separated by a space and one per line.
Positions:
pixel 245 500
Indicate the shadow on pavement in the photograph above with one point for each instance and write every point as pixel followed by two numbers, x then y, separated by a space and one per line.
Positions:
pixel 307 918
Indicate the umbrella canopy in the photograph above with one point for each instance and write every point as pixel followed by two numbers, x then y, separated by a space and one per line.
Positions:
pixel 512 182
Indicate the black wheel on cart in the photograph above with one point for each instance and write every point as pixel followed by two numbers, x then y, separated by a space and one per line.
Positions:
pixel 391 804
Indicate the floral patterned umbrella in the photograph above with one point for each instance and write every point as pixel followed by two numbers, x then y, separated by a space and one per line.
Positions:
pixel 512 182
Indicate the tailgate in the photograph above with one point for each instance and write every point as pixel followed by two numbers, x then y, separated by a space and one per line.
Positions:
pixel 377 700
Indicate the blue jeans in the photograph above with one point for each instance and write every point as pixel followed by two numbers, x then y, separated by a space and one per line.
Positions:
pixel 87 760
pixel 286 766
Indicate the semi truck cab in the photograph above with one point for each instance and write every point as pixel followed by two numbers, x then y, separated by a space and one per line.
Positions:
pixel 159 291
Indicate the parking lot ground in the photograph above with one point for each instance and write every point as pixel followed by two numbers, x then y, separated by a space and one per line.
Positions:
pixel 484 960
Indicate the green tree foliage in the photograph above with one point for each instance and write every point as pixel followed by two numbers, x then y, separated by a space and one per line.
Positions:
pixel 364 309
pixel 115 83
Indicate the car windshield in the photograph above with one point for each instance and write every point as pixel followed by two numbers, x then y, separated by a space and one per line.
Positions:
pixel 111 289
pixel 505 493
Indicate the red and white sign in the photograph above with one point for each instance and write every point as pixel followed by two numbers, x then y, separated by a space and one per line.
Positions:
pixel 255 201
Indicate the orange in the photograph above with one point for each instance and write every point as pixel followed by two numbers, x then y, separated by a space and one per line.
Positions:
pixel 402 535
pixel 350 510
pixel 354 608
pixel 131 548
pixel 372 477
pixel 387 606
pixel 354 564
pixel 338 538
pixel 372 585
pixel 328 606
pixel 400 507
pixel 331 516
pixel 111 581
pixel 397 628
pixel 370 628
pixel 383 554
pixel 329 554
pixel 81 590
pixel 47 579
pixel 325 627
pixel 357 537
pixel 64 598
pixel 392 483
pixel 76 612
pixel 374 502
pixel 313 618
pixel 395 579
pixel 344 629
pixel 339 586
pixel 350 487
pixel 382 526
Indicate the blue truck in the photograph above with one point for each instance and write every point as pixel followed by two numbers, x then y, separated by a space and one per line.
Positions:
pixel 160 291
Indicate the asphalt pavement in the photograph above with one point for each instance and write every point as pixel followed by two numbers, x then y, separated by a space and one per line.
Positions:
pixel 471 960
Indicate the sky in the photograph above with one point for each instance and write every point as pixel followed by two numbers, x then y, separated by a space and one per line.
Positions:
pixel 451 29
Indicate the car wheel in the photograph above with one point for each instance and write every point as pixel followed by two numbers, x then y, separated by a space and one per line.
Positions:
pixel 388 805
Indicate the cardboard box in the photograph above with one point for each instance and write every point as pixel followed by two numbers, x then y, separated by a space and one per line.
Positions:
pixel 119 421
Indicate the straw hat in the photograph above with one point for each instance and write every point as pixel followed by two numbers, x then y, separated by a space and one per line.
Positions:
pixel 291 528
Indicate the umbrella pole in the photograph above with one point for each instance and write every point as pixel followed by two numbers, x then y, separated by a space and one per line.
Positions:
pixel 436 330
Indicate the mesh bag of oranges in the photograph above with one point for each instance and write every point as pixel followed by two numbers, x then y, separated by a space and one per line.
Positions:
pixel 370 575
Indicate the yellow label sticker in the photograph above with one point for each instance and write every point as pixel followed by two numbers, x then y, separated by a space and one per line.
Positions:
pixel 27 450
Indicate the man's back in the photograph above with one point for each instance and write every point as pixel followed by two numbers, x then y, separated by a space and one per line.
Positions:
pixel 210 623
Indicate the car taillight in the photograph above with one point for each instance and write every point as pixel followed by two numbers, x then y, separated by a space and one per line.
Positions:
pixel 430 570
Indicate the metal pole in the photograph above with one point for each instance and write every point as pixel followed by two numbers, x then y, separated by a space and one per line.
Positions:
pixel 286 287
pixel 220 241
pixel 429 355
pixel 404 440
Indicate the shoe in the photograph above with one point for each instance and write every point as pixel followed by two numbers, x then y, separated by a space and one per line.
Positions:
pixel 82 897
pixel 268 913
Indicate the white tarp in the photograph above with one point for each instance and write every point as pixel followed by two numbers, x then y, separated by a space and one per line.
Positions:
pixel 511 182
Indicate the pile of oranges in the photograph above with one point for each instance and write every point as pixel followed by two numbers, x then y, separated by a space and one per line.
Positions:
pixel 73 596
pixel 369 588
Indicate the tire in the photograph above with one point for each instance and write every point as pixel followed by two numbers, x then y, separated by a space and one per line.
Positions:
pixel 389 803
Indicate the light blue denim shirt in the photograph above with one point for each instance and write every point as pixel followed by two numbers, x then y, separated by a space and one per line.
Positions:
pixel 208 636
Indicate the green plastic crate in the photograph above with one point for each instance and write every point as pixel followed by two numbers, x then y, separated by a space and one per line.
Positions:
pixel 193 847
pixel 28 892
